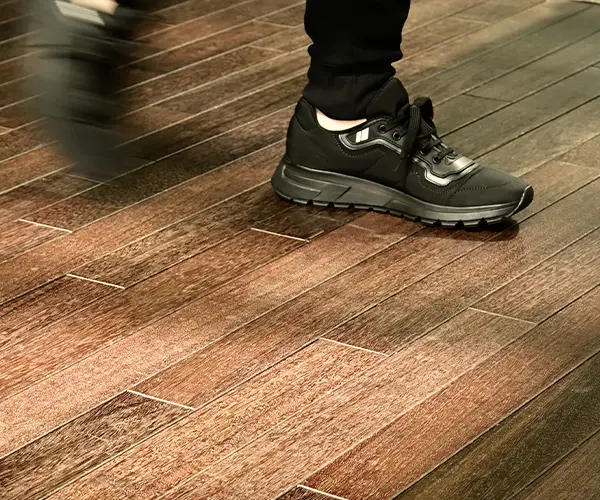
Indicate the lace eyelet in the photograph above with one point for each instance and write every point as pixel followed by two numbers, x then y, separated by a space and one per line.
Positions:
pixel 397 136
pixel 382 129
pixel 423 152
pixel 437 159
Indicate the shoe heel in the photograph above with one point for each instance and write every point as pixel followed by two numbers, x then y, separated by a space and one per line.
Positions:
pixel 295 183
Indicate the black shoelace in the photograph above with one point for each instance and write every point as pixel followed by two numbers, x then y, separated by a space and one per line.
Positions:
pixel 421 131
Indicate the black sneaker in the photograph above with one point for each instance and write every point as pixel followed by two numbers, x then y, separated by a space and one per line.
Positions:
pixel 394 163
pixel 74 74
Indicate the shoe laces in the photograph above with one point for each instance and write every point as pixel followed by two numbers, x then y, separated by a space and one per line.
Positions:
pixel 421 133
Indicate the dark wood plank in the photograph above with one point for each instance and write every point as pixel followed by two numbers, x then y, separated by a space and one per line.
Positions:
pixel 587 154
pixel 576 478
pixel 546 142
pixel 428 434
pixel 64 454
pixel 420 307
pixel 17 237
pixel 50 402
pixel 510 456
pixel 545 71
pixel 289 40
pixel 257 132
pixel 31 313
pixel 21 140
pixel 120 315
pixel 29 166
pixel 366 403
pixel 463 110
pixel 513 121
pixel 552 285
pixel 59 257
pixel 228 424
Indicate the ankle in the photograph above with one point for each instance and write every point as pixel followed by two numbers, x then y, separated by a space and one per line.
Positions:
pixel 337 125
pixel 107 6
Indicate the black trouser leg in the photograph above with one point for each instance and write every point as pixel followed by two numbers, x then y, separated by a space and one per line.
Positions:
pixel 355 43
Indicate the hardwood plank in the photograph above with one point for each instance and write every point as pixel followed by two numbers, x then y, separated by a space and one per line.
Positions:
pixel 314 313
pixel 29 166
pixel 182 12
pixel 576 478
pixel 120 315
pixel 39 194
pixel 274 463
pixel 450 420
pixel 17 237
pixel 21 140
pixel 422 306
pixel 289 40
pixel 424 13
pixel 300 493
pixel 59 257
pixel 61 456
pixel 292 16
pixel 587 154
pixel 510 456
pixel 161 250
pixel 31 313
pixel 51 402
pixel 508 123
pixel 549 141
pixel 463 110
pixel 18 114
pixel 303 222
pixel 227 424
pixel 491 64
pixel 496 10
pixel 545 71
pixel 550 286
pixel 205 155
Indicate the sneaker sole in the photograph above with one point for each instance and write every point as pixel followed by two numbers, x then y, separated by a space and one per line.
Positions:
pixel 329 189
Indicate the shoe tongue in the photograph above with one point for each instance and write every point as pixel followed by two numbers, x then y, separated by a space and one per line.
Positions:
pixel 390 99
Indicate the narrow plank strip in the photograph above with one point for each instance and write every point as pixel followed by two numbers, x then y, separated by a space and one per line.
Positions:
pixel 509 123
pixel 275 462
pixel 57 258
pixel 289 40
pixel 552 285
pixel 447 422
pixel 52 401
pixel 415 310
pixel 20 140
pixel 496 10
pixel 510 456
pixel 116 317
pixel 303 223
pixel 544 71
pixel 576 478
pixel 587 154
pixel 59 457
pixel 28 166
pixel 300 493
pixel 31 313
pixel 228 424
pixel 293 16
pixel 17 237
pixel 463 110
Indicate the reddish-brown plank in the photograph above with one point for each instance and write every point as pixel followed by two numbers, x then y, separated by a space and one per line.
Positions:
pixel 84 385
pixel 429 302
pixel 228 424
pixel 37 469
pixel 29 314
pixel 575 478
pixel 426 436
pixel 513 454
pixel 17 237
pixel 29 166
pixel 277 461
pixel 119 315
pixel 300 493
pixel 550 286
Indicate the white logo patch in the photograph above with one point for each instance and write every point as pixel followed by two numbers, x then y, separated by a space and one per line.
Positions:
pixel 362 136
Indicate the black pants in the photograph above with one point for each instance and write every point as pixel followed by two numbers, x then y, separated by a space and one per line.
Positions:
pixel 355 43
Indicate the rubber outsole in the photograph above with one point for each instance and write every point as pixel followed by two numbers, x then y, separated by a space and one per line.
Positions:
pixel 329 189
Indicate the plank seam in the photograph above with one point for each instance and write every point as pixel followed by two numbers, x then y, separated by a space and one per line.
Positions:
pixel 147 396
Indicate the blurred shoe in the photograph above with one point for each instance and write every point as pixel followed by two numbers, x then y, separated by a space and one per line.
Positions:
pixel 74 73
pixel 394 163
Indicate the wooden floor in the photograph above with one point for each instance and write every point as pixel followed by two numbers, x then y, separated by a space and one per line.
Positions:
pixel 185 334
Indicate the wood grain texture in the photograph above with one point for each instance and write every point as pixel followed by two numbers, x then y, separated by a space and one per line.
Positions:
pixel 31 313
pixel 587 154
pixel 550 286
pixel 61 456
pixel 463 110
pixel 84 385
pixel 290 40
pixel 496 10
pixel 56 258
pixel 300 493
pixel 543 72
pixel 427 303
pixel 116 317
pixel 29 166
pixel 430 433
pixel 227 424
pixel 274 463
pixel 21 140
pixel 576 478
pixel 510 456
pixel 292 16
pixel 17 237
